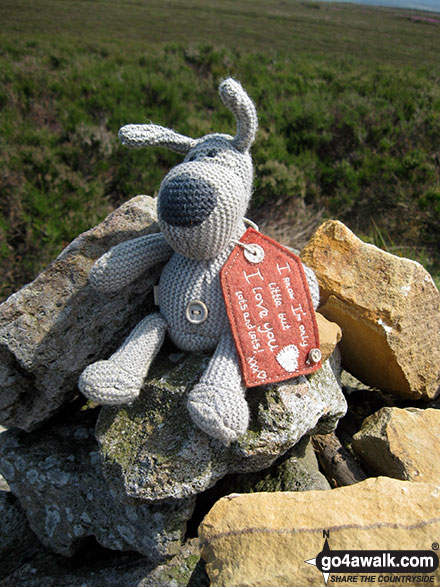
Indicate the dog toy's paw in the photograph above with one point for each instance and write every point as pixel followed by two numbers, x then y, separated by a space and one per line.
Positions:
pixel 220 412
pixel 107 383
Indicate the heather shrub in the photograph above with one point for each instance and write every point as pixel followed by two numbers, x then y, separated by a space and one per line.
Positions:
pixel 341 138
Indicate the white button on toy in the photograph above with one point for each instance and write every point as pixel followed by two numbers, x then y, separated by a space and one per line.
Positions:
pixel 253 252
pixel 196 312
pixel 314 355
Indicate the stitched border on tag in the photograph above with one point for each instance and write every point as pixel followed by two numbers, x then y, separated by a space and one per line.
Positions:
pixel 251 236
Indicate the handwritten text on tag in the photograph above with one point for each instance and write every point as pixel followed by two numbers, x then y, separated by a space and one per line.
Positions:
pixel 270 311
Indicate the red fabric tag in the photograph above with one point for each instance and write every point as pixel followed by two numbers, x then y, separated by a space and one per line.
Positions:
pixel 270 310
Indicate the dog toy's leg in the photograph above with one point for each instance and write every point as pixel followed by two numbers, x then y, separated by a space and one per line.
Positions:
pixel 118 380
pixel 217 403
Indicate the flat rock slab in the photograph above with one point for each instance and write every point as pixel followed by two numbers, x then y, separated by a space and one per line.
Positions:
pixel 151 450
pixel 56 475
pixel 55 326
pixel 265 538
pixel 388 308
pixel 401 443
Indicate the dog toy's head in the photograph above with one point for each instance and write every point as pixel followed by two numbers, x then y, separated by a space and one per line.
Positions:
pixel 202 200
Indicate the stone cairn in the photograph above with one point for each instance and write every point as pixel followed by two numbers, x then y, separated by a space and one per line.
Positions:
pixel 118 495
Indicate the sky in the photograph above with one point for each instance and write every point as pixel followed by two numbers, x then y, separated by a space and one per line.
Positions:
pixel 430 5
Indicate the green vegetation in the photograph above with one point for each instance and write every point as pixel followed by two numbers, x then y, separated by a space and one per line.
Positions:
pixel 348 99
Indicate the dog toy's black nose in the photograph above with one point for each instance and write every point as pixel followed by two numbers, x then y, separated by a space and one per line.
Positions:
pixel 186 201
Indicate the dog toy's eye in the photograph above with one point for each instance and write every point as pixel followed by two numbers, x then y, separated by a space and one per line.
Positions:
pixel 211 153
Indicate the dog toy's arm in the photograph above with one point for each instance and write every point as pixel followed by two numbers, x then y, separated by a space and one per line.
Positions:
pixel 123 263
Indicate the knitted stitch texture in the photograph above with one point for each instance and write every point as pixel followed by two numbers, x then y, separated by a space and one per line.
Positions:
pixel 217 404
pixel 201 205
pixel 125 262
pixel 119 379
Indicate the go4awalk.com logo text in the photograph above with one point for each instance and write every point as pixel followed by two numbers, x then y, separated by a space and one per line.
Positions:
pixel 375 566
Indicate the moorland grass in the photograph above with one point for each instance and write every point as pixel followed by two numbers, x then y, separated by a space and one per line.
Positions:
pixel 348 107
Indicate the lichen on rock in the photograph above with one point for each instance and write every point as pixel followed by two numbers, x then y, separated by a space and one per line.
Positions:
pixel 151 450
pixel 56 475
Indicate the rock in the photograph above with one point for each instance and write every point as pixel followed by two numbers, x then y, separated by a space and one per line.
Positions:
pixel 55 326
pixel 297 470
pixel 401 443
pixel 361 404
pixel 388 309
pixel 55 473
pixel 96 567
pixel 186 568
pixel 329 336
pixel 151 450
pixel 17 541
pixel 350 383
pixel 265 538
pixel 3 485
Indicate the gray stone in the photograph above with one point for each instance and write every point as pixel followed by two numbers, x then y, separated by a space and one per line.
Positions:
pixel 96 568
pixel 55 326
pixel 151 450
pixel 3 485
pixel 186 568
pixel 17 541
pixel 55 473
pixel 298 470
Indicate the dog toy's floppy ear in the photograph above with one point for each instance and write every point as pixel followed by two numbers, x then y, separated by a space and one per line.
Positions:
pixel 238 102
pixel 144 135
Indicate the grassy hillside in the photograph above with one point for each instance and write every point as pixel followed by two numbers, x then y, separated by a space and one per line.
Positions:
pixel 301 28
pixel 348 99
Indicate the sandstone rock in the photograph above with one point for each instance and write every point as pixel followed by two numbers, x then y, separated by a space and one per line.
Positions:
pixel 55 326
pixel 151 450
pixel 97 567
pixel 265 538
pixel 401 443
pixel 387 307
pixel 17 541
pixel 329 335
pixel 55 473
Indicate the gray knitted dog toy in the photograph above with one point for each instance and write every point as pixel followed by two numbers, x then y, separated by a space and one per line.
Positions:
pixel 201 205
